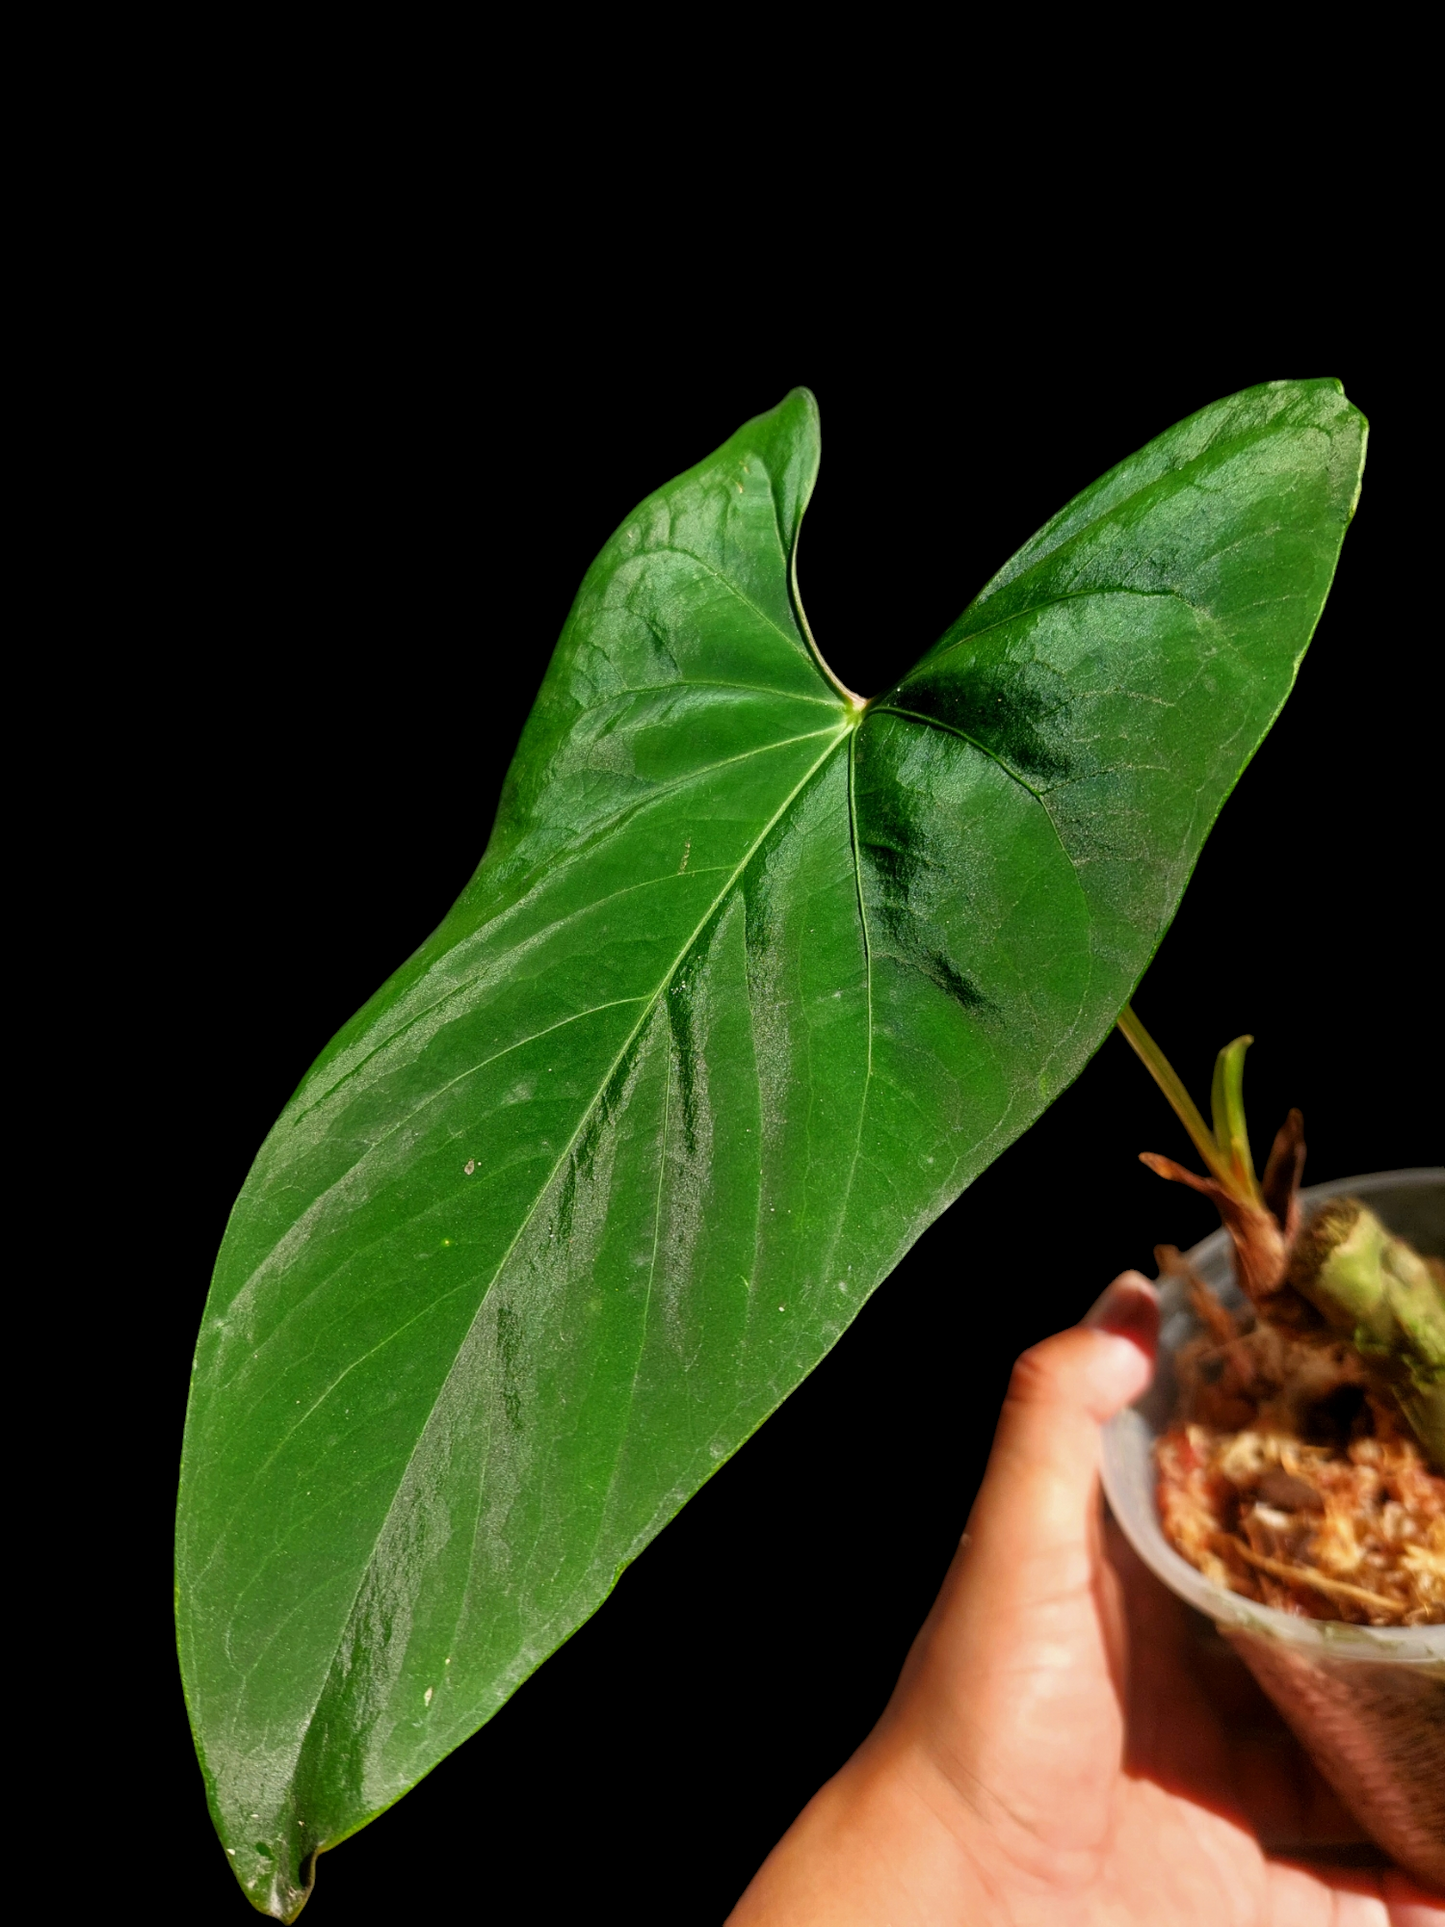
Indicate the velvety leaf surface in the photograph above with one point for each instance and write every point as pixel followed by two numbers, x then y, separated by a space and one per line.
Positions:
pixel 749 985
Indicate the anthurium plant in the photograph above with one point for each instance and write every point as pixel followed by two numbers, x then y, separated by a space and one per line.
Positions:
pixel 753 978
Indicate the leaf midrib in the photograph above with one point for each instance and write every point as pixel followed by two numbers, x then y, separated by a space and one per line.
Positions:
pixel 845 730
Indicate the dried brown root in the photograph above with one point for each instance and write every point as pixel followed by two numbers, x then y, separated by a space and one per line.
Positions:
pixel 1308 1576
pixel 1215 1318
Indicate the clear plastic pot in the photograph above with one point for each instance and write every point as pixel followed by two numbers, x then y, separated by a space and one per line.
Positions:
pixel 1367 1702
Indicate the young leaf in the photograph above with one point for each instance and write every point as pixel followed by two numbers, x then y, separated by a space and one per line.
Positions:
pixel 752 980
pixel 1231 1133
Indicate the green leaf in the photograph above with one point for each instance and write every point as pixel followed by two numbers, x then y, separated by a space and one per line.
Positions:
pixel 751 982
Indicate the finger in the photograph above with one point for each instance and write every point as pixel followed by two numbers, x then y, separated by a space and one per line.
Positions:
pixel 1129 1308
pixel 1044 1467
pixel 1038 1500
pixel 1013 1682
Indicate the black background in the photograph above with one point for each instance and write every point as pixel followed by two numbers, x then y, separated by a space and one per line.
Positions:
pixel 368 482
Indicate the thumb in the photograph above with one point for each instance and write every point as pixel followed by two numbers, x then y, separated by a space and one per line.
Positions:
pixel 1012 1681
pixel 1044 1468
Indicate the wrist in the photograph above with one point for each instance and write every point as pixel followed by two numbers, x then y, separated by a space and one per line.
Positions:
pixel 888 1838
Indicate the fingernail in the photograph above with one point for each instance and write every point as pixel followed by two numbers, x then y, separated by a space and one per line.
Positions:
pixel 1128 1304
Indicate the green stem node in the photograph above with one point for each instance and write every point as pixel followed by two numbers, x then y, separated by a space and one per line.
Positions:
pixel 1380 1292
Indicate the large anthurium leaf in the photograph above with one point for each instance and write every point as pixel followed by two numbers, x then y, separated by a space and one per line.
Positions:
pixel 752 980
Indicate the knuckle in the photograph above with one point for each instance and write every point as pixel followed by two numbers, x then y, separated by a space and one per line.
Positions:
pixel 1037 1375
pixel 1049 1373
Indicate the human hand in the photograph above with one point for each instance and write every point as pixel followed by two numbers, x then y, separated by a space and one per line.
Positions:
pixel 1064 1746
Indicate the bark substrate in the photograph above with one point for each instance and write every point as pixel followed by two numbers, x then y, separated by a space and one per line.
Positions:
pixel 1290 1478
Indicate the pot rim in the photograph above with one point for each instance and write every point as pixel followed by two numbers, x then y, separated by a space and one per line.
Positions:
pixel 1129 1481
